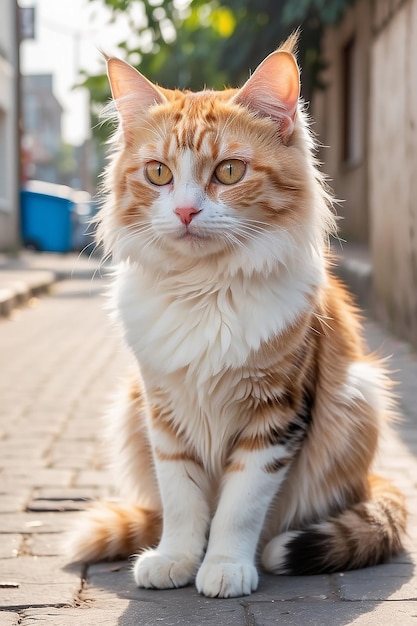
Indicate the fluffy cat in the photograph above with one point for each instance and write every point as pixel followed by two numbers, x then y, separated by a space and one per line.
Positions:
pixel 253 422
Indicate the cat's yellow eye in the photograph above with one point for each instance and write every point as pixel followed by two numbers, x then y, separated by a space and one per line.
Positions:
pixel 158 173
pixel 230 171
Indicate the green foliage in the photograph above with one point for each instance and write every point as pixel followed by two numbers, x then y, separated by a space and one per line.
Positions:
pixel 327 11
pixel 216 42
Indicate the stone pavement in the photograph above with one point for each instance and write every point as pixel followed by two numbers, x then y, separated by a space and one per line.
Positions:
pixel 59 361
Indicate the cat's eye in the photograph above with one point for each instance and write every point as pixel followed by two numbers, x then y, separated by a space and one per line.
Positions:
pixel 230 171
pixel 158 173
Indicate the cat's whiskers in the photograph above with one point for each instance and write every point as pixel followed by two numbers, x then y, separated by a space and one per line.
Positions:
pixel 254 233
pixel 106 257
pixel 240 244
pixel 156 239
pixel 323 320
pixel 274 242
pixel 250 220
pixel 151 236
pixel 143 231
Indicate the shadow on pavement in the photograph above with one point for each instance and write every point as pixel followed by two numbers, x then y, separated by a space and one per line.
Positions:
pixel 290 601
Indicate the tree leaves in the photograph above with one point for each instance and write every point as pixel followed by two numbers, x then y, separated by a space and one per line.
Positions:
pixel 216 42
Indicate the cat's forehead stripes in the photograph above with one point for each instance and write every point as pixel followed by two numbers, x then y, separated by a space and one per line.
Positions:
pixel 196 120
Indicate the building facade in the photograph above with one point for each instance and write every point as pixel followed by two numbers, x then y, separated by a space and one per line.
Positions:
pixel 367 115
pixel 9 120
pixel 41 113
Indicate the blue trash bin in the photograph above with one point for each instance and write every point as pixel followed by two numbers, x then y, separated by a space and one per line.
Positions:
pixel 46 216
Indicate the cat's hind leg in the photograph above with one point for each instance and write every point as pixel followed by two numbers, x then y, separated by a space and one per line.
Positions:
pixel 368 533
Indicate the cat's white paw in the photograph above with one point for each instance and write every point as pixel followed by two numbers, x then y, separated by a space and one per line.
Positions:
pixel 217 579
pixel 154 570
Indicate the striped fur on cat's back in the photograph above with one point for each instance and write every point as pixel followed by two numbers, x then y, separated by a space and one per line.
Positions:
pixel 249 430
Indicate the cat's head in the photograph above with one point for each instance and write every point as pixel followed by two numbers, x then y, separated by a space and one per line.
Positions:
pixel 213 175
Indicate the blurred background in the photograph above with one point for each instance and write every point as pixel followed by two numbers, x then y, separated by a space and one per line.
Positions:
pixel 359 74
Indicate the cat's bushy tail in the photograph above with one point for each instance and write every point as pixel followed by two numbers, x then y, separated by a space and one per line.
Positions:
pixel 110 530
pixel 368 533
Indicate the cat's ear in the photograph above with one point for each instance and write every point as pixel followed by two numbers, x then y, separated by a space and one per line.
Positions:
pixel 273 90
pixel 131 91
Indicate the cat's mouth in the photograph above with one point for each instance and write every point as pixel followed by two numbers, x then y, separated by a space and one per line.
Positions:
pixel 193 236
pixel 196 241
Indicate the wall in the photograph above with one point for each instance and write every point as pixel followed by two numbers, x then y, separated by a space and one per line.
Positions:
pixel 393 167
pixel 340 114
pixel 9 153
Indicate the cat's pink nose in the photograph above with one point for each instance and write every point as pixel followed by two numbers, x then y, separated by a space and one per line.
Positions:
pixel 186 215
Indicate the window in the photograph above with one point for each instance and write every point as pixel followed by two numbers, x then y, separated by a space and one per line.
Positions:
pixel 348 102
pixel 353 75
pixel 3 160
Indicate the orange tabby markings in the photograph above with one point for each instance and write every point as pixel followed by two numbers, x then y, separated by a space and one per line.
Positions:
pixel 175 456
pixel 234 467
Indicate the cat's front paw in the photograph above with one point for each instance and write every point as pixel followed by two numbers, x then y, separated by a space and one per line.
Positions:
pixel 222 579
pixel 154 570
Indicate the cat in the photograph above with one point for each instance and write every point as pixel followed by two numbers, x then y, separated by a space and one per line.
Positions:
pixel 249 430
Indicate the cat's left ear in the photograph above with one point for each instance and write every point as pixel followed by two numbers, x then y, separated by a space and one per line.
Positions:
pixel 273 90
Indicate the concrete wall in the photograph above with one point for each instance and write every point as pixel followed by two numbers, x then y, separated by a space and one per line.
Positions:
pixel 9 152
pixel 393 168
pixel 347 172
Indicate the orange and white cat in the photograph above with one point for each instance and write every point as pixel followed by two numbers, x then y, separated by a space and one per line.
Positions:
pixel 251 427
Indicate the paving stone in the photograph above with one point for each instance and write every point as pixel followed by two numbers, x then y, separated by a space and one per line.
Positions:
pixel 13 465
pixel 73 462
pixel 80 616
pixel 108 582
pixel 332 613
pixel 15 449
pixel 36 522
pixel 182 613
pixel 31 426
pixel 9 545
pixel 9 619
pixel 392 581
pixel 32 581
pixel 92 478
pixel 81 431
pixel 48 544
pixel 68 493
pixel 14 502
pixel 293 588
pixel 39 477
pixel 106 579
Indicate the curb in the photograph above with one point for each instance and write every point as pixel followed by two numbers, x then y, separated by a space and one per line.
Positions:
pixel 357 276
pixel 17 288
pixel 354 267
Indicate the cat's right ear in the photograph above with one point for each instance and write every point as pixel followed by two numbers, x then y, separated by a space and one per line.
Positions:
pixel 132 92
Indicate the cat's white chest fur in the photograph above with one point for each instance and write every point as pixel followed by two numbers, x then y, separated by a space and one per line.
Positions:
pixel 192 339
pixel 204 326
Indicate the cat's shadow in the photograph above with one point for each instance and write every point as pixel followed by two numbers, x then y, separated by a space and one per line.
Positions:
pixel 337 599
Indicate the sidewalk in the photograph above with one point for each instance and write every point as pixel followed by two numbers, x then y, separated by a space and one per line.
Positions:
pixel 31 274
pixel 60 359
